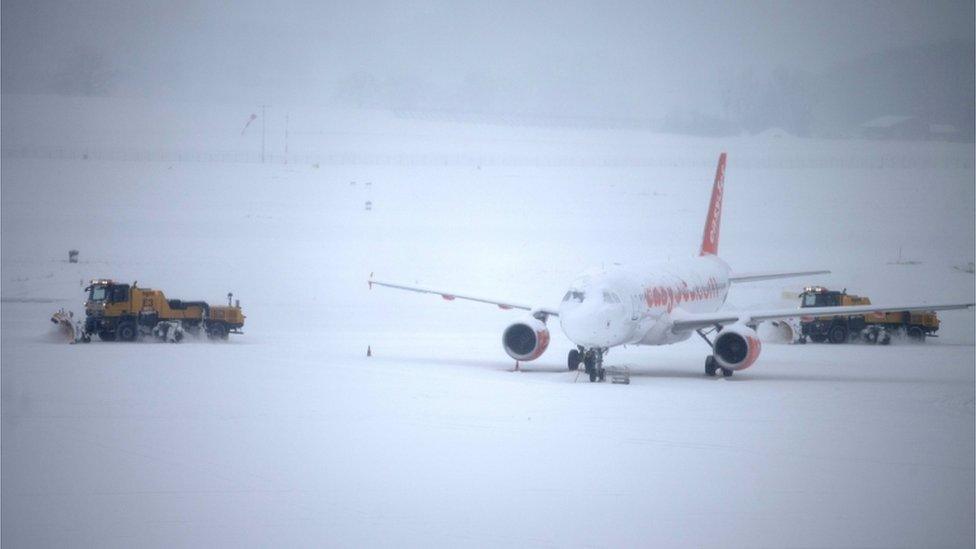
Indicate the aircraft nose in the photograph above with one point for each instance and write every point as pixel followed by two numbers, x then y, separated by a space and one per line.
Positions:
pixel 590 326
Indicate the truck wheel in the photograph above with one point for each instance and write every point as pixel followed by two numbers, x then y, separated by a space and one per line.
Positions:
pixel 870 336
pixel 916 334
pixel 106 335
pixel 818 338
pixel 218 331
pixel 837 334
pixel 125 331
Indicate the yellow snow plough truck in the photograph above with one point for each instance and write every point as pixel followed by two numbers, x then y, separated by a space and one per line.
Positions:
pixel 124 312
pixel 870 328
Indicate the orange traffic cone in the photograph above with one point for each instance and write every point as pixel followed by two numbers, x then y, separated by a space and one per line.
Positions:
pixel 369 351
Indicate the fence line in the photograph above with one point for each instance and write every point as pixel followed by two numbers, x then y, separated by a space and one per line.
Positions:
pixel 746 161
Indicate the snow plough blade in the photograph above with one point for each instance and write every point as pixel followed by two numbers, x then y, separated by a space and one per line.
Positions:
pixel 66 325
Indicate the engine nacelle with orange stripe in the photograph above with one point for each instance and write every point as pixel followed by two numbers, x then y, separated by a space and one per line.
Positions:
pixel 526 340
pixel 737 347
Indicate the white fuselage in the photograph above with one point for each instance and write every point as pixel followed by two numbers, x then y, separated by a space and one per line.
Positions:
pixel 619 306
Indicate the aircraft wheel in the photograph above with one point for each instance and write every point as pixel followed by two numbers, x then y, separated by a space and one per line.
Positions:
pixel 726 372
pixel 818 338
pixel 574 360
pixel 837 334
pixel 592 376
pixel 871 336
pixel 710 366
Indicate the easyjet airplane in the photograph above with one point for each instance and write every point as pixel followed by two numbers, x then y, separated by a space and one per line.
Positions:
pixel 658 305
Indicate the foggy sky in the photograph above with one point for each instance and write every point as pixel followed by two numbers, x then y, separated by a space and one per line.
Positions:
pixel 643 57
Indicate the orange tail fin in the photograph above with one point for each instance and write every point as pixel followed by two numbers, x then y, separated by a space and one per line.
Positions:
pixel 713 220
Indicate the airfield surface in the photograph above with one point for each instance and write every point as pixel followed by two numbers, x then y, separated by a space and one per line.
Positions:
pixel 291 435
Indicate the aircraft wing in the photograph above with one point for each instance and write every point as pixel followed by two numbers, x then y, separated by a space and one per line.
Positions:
pixel 692 321
pixel 451 296
pixel 771 275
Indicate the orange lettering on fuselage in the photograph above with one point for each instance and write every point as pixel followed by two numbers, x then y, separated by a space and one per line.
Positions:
pixel 670 297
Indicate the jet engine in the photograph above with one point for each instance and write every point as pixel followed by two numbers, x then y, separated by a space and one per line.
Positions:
pixel 737 347
pixel 526 340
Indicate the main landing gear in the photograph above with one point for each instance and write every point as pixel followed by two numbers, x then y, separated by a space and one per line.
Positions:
pixel 574 360
pixel 711 365
pixel 592 360
pixel 712 368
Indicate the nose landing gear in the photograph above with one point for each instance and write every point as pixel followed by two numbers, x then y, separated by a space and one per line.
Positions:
pixel 592 360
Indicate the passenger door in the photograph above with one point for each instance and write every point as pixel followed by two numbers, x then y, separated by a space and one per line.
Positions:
pixel 636 306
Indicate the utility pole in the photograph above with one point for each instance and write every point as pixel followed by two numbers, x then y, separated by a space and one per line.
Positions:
pixel 263 130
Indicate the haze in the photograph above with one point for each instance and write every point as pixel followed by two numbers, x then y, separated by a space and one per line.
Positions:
pixel 616 60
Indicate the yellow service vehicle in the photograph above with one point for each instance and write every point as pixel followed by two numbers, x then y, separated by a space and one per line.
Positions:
pixel 124 312
pixel 870 327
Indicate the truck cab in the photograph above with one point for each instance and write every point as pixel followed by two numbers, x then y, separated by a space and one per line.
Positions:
pixel 818 296
pixel 104 297
pixel 101 292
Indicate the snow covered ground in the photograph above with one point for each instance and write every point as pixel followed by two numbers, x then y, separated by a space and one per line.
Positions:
pixel 289 434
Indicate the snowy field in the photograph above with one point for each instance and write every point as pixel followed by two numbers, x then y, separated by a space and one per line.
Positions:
pixel 290 435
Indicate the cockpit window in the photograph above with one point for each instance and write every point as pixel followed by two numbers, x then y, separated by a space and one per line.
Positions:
pixel 610 297
pixel 574 295
pixel 97 293
pixel 810 300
